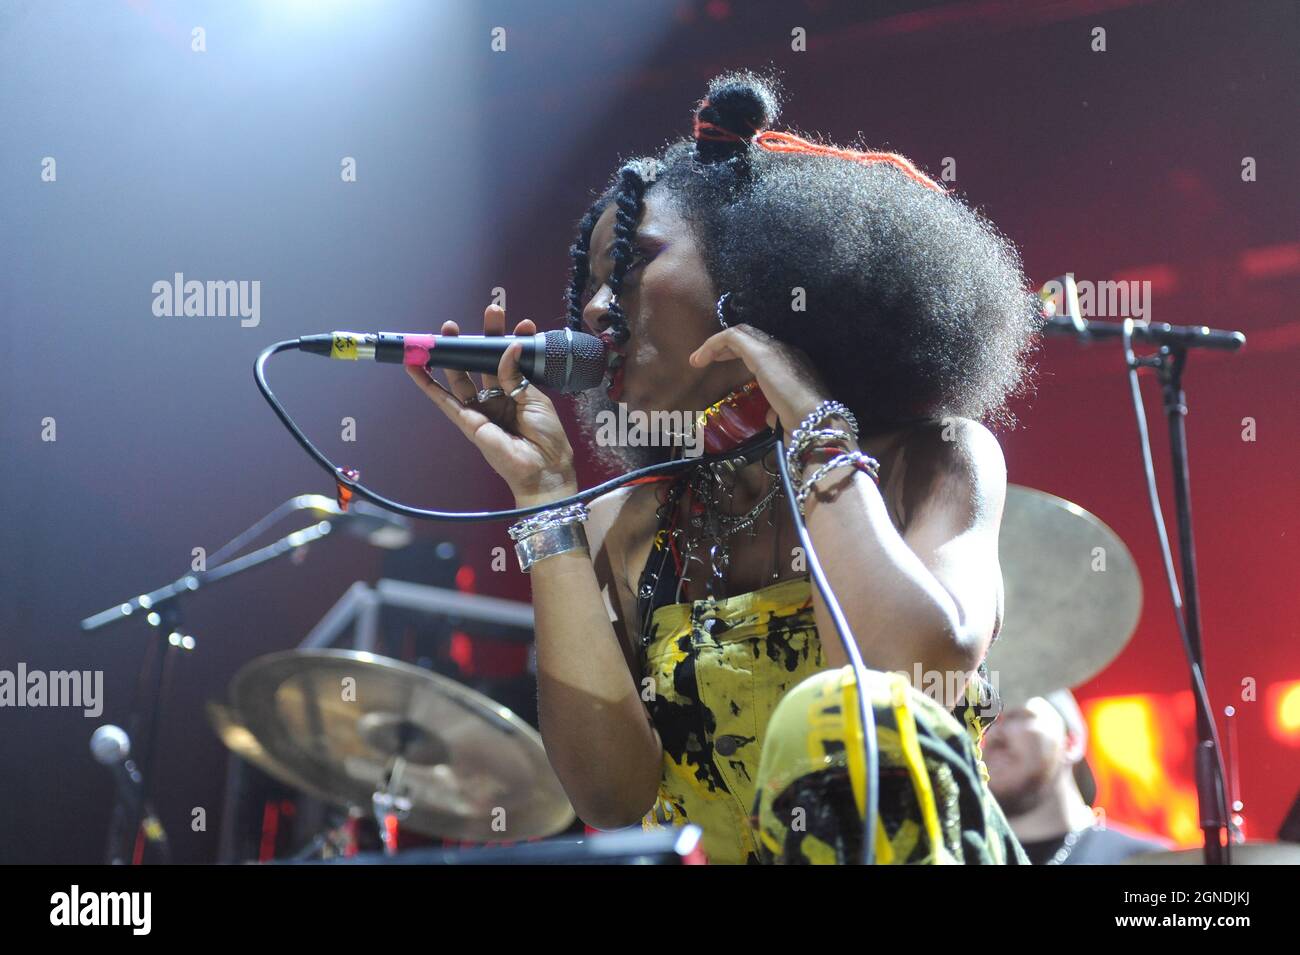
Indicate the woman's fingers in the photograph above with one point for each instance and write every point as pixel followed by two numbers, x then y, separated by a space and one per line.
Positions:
pixel 508 372
pixel 494 323
pixel 743 342
pixel 465 418
pixel 724 346
pixel 457 400
pixel 496 444
pixel 511 377
pixel 460 383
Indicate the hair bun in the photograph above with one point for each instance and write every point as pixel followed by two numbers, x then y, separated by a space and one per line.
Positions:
pixel 738 106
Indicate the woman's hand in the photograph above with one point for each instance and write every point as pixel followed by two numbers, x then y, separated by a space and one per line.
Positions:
pixel 785 375
pixel 522 438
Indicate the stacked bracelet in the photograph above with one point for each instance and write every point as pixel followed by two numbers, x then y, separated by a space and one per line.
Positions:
pixel 812 433
pixel 548 533
pixel 801 442
pixel 829 409
pixel 863 462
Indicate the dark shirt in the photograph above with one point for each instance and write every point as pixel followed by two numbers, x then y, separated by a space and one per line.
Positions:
pixel 1094 847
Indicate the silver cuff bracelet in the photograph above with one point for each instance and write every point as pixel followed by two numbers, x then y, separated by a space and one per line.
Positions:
pixel 550 541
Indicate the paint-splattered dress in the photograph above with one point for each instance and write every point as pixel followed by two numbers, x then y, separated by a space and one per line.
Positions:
pixel 758 751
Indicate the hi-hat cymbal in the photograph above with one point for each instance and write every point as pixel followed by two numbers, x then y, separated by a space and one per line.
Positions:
pixel 339 722
pixel 1073 596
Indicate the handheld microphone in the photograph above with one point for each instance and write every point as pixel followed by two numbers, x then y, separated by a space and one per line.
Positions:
pixel 566 360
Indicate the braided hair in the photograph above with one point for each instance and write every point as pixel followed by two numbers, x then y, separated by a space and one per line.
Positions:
pixel 915 306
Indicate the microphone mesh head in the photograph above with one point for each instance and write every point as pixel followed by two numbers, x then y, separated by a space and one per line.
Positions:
pixel 110 744
pixel 575 361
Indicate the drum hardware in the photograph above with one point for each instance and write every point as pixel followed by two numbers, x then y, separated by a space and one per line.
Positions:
pixel 336 842
pixel 359 608
pixel 390 811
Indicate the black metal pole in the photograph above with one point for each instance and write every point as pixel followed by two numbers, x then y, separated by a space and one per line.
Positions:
pixel 1209 783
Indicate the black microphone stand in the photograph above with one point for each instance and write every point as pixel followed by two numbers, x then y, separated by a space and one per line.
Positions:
pixel 1169 363
pixel 1211 787
pixel 162 607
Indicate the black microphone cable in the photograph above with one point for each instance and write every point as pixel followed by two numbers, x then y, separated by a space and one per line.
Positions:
pixel 866 714
pixel 427 514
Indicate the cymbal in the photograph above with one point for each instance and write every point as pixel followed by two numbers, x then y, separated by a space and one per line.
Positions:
pixel 341 722
pixel 244 744
pixel 1065 618
pixel 1247 853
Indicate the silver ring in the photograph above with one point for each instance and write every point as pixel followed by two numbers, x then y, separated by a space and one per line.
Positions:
pixel 487 393
pixel 523 383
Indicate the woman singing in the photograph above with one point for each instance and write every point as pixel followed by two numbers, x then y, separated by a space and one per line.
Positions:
pixel 687 670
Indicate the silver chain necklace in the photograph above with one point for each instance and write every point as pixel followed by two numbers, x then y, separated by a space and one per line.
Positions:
pixel 713 528
pixel 735 524
pixel 710 527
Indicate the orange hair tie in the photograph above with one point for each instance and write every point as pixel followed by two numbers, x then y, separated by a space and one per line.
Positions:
pixel 711 131
pixel 778 142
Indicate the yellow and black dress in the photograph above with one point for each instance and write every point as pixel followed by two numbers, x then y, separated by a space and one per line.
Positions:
pixel 763 746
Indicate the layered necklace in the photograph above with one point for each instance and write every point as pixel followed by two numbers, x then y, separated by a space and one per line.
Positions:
pixel 703 544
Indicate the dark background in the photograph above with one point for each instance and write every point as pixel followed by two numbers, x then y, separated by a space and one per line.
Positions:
pixel 473 168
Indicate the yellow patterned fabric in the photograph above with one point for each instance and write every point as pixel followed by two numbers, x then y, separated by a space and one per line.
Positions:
pixel 763 748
